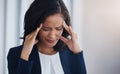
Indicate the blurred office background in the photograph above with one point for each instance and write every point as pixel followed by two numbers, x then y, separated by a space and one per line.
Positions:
pixel 97 23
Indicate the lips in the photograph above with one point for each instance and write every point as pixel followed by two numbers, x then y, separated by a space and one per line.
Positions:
pixel 51 41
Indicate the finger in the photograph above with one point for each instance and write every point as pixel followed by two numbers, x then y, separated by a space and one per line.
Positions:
pixel 65 40
pixel 34 33
pixel 71 31
pixel 66 27
pixel 37 30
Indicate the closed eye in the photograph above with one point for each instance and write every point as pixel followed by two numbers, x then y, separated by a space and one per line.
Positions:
pixel 59 28
pixel 46 29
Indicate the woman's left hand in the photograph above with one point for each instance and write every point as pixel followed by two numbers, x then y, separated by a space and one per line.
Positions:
pixel 72 43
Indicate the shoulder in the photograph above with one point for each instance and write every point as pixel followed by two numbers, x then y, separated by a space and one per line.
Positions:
pixel 15 51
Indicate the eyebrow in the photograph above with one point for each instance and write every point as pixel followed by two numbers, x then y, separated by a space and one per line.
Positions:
pixel 46 27
pixel 50 27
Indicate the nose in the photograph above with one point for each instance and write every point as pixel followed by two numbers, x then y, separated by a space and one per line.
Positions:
pixel 52 34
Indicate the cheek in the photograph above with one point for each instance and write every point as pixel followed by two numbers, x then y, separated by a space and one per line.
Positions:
pixel 41 34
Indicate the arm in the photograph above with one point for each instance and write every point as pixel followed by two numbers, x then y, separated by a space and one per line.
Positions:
pixel 18 61
pixel 78 64
pixel 76 58
pixel 30 40
pixel 17 65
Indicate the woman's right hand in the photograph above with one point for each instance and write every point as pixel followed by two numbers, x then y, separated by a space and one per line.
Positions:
pixel 30 40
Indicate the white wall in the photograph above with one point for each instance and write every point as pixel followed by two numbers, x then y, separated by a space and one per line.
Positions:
pixel 11 28
pixel 11 12
pixel 2 37
pixel 101 36
pixel 77 19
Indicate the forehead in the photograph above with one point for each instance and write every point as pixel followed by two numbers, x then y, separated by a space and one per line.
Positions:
pixel 54 20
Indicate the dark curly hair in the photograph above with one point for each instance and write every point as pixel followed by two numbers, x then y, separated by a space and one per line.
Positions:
pixel 39 10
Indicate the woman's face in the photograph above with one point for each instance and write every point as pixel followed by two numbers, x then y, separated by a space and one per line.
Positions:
pixel 51 30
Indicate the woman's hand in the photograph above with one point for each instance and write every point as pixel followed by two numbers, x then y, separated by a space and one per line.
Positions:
pixel 30 40
pixel 72 43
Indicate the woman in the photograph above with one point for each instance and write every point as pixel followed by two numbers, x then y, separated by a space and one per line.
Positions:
pixel 46 47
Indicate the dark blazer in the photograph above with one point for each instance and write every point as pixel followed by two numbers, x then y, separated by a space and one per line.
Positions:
pixel 71 63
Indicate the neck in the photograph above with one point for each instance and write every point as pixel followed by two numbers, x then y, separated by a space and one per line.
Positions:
pixel 46 50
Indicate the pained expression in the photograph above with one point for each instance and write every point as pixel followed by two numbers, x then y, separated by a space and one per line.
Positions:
pixel 51 30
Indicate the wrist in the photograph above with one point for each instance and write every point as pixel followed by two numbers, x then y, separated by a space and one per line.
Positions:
pixel 25 54
pixel 77 51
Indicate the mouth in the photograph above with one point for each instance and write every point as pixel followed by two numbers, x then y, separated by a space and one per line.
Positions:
pixel 51 41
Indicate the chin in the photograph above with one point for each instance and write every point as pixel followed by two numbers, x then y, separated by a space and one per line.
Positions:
pixel 51 44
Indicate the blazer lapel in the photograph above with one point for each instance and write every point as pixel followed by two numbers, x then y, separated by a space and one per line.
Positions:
pixel 36 62
pixel 64 57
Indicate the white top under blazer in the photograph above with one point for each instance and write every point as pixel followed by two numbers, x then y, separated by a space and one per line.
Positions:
pixel 50 64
